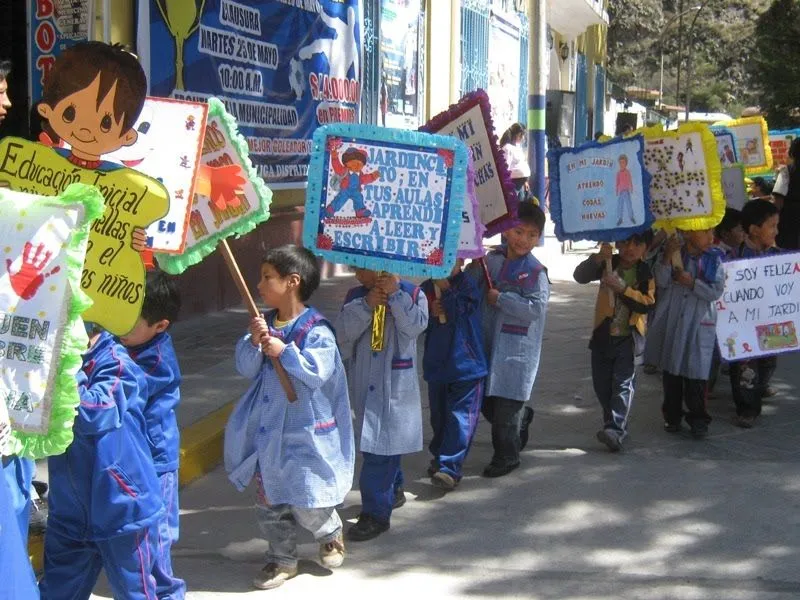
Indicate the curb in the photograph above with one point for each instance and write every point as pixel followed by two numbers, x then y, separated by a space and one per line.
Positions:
pixel 201 452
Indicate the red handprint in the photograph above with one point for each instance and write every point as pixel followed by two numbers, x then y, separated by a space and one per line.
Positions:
pixel 333 144
pixel 29 277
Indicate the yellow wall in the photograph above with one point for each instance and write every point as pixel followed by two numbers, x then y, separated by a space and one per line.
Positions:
pixel 123 29
pixel 442 58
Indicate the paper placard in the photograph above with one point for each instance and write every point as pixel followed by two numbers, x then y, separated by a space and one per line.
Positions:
pixel 752 143
pixel 168 149
pixel 734 187
pixel 600 191
pixel 471 122
pixel 686 188
pixel 726 146
pixel 224 150
pixel 470 243
pixel 386 199
pixel 759 312
pixel 41 336
pixel 113 274
pixel 779 142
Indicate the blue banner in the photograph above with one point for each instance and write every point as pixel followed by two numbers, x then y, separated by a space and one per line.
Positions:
pixel 51 32
pixel 281 67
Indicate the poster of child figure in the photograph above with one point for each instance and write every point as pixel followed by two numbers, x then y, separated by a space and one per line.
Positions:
pixel 726 146
pixel 600 191
pixel 686 189
pixel 752 143
pixel 386 199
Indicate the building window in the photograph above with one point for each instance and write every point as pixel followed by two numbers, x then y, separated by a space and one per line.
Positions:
pixel 474 45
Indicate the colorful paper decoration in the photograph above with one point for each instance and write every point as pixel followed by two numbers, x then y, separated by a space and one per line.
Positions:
pixel 779 142
pixel 386 199
pixel 600 191
pixel 168 148
pixel 214 219
pixel 752 143
pixel 41 335
pixel 685 189
pixel 113 274
pixel 470 243
pixel 471 122
pixel 759 312
pixel 733 186
pixel 726 146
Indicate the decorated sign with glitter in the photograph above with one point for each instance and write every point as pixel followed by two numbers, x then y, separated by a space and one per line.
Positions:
pixel 386 199
pixel 685 189
pixel 726 146
pixel 600 191
pixel 752 143
pixel 230 198
pixel 168 149
pixel 759 312
pixel 470 243
pixel 41 334
pixel 471 122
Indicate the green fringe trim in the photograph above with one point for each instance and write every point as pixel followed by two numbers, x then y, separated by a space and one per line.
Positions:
pixel 176 264
pixel 65 397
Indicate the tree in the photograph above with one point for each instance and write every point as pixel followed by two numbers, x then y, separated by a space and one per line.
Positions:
pixel 634 25
pixel 775 68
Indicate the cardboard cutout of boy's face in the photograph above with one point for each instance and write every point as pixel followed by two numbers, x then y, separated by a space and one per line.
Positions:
pixel 89 129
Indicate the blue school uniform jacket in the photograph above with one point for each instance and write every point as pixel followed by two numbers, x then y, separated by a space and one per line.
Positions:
pixel 454 349
pixel 513 328
pixel 303 449
pixel 682 336
pixel 163 377
pixel 105 485
pixel 384 386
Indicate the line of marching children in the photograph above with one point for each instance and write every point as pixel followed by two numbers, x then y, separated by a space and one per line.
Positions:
pixel 114 499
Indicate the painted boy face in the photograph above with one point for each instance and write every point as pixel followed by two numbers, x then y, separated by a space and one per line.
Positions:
pixel 623 163
pixel 354 165
pixel 90 129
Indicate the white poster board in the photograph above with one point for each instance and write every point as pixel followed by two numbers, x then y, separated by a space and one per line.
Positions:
pixel 759 312
pixel 734 187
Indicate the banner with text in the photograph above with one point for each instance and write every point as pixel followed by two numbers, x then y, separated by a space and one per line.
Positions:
pixel 386 199
pixel 281 67
pixel 599 191
pixel 759 312
pixel 54 27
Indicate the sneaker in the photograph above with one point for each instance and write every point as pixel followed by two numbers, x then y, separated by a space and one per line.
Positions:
pixel 610 438
pixel 433 467
pixel 494 470
pixel 367 528
pixel 443 481
pixel 331 555
pixel 399 498
pixel 770 391
pixel 363 212
pixel 745 422
pixel 273 575
pixel 525 425
pixel 672 427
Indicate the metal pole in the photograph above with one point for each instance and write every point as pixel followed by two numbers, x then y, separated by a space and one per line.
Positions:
pixel 680 55
pixel 661 81
pixel 107 21
pixel 537 92
pixel 689 57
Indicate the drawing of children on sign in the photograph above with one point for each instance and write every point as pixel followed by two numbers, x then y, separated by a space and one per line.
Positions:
pixel 624 191
pixel 350 169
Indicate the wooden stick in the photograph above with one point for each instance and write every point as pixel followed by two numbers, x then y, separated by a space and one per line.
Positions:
pixel 610 271
pixel 438 293
pixel 233 267
pixel 486 275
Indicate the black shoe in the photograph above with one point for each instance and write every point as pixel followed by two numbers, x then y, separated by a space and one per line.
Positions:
pixel 367 528
pixel 433 468
pixel 399 498
pixel 525 425
pixel 672 427
pixel 499 470
pixel 41 489
pixel 699 431
pixel 610 438
pixel 37 520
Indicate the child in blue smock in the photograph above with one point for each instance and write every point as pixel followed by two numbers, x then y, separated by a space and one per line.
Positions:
pixel 682 335
pixel 150 345
pixel 300 452
pixel 514 310
pixel 454 365
pixel 750 378
pixel 105 499
pixel 384 387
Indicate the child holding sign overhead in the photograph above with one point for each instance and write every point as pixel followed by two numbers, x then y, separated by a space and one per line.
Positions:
pixel 750 379
pixel 690 278
pixel 300 453
pixel 513 323
pixel 384 387
pixel 620 319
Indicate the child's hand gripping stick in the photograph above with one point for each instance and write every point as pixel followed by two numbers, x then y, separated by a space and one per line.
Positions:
pixel 233 267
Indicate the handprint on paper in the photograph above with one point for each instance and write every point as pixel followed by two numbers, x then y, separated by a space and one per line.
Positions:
pixel 28 278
